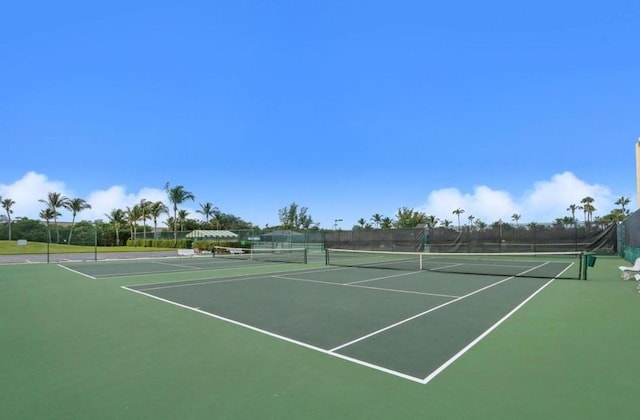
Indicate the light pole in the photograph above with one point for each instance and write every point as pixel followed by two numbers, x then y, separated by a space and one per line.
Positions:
pixel 335 223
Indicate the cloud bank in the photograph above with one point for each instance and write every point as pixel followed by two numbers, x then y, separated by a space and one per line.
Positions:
pixel 545 201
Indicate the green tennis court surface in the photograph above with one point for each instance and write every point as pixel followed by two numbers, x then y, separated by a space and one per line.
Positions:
pixel 246 340
pixel 405 323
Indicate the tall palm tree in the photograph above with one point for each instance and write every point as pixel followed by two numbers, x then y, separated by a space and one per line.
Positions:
pixel 587 206
pixel 55 200
pixel 623 201
pixel 7 203
pixel 75 206
pixel 458 212
pixel 133 215
pixel 207 210
pixel 156 210
pixel 572 208
pixel 118 218
pixel 471 218
pixel 145 207
pixel 177 195
pixel 386 223
pixel 48 214
pixel 376 219
pixel 182 218
pixel 515 217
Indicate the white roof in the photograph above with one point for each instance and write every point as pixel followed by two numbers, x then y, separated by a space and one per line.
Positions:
pixel 211 234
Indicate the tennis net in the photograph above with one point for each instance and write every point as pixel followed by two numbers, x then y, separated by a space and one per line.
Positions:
pixel 541 265
pixel 287 255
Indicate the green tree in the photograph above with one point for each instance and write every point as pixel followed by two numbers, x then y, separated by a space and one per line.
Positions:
pixel 182 218
pixel 55 201
pixel 376 219
pixel 587 207
pixel 573 208
pixel 515 217
pixel 75 206
pixel 145 214
pixel 7 203
pixel 133 215
pixel 177 195
pixel 410 218
pixel 118 218
pixel 157 209
pixel 207 210
pixel 458 212
pixel 295 217
pixel 446 223
pixel 431 220
pixel 623 201
pixel 386 223
pixel 47 214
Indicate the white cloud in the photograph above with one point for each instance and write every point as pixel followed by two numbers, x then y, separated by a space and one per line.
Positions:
pixel 32 187
pixel 545 202
pixel 116 197
pixel 28 190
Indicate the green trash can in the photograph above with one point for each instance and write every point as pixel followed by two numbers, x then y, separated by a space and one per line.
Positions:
pixel 591 260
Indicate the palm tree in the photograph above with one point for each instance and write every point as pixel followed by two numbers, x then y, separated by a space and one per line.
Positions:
pixel 48 214
pixel 587 206
pixel 515 217
pixel 75 206
pixel 572 208
pixel 177 195
pixel 471 217
pixel 133 215
pixel 156 210
pixel 623 201
pixel 145 207
pixel 458 212
pixel 7 203
pixel 446 223
pixel 118 218
pixel 386 223
pixel 431 221
pixel 376 219
pixel 362 222
pixel 207 210
pixel 55 201
pixel 182 218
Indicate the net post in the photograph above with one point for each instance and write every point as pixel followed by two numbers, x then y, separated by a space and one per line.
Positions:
pixel 421 266
pixel 305 255
pixel 583 266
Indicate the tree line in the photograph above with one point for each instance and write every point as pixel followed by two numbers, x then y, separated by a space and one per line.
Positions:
pixel 408 217
pixel 124 224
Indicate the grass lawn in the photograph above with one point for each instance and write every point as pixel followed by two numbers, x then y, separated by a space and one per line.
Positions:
pixel 12 248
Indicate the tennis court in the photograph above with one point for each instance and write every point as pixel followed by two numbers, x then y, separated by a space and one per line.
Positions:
pixel 407 323
pixel 239 339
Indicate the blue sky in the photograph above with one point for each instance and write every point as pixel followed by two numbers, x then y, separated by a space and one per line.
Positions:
pixel 347 108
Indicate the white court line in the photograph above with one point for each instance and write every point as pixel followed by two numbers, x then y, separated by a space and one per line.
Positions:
pixel 404 321
pixel 176 265
pixel 411 292
pixel 281 337
pixel 332 352
pixel 76 272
